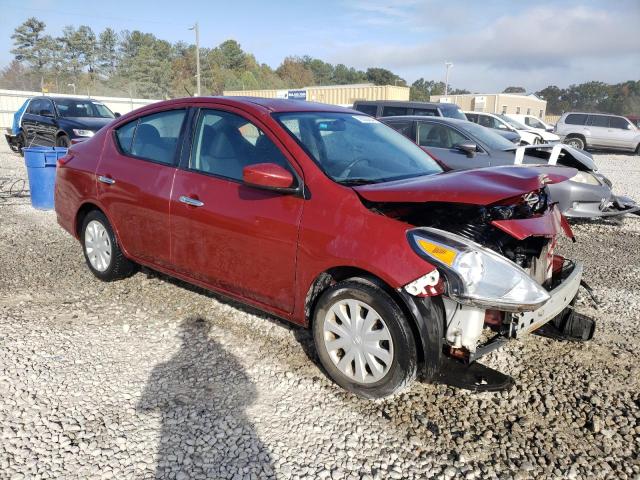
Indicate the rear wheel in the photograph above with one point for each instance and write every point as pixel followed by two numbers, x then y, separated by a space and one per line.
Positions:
pixel 575 142
pixel 63 141
pixel 363 339
pixel 101 249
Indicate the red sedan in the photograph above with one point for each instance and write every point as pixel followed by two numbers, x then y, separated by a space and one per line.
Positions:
pixel 327 218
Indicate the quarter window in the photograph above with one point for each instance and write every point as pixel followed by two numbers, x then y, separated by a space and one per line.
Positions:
pixel 225 143
pixel 156 136
pixel 438 136
pixel 617 122
pixel 425 112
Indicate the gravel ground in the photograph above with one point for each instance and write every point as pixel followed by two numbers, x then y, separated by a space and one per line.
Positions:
pixel 151 378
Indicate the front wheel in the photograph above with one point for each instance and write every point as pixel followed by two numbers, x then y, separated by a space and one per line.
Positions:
pixel 575 142
pixel 63 141
pixel 364 340
pixel 101 249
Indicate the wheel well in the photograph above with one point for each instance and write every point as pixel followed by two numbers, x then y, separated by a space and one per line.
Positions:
pixel 338 274
pixel 577 135
pixel 62 133
pixel 82 213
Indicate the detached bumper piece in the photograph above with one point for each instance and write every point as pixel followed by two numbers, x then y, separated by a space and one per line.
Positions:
pixel 13 142
pixel 473 376
pixel 569 325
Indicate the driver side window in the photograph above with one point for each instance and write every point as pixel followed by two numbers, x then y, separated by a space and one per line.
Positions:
pixel 438 136
pixel 225 143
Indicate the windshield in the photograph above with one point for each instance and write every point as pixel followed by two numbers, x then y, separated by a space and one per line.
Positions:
pixel 487 136
pixel 452 111
pixel 357 149
pixel 513 123
pixel 73 107
pixel 535 123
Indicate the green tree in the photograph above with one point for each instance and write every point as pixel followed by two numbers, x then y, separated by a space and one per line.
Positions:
pixel 382 76
pixel 421 89
pixel 28 44
pixel 232 55
pixel 107 52
pixel 343 75
pixel 514 90
pixel 294 73
pixel 79 47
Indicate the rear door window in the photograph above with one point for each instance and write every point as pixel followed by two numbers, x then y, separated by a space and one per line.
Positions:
pixel 598 121
pixel 156 137
pixel 576 119
pixel 425 112
pixel 394 111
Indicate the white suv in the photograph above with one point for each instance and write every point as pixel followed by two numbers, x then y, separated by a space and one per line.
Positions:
pixel 528 135
pixel 534 123
pixel 592 130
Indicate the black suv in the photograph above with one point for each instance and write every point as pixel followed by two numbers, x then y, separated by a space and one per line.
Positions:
pixel 390 108
pixel 54 121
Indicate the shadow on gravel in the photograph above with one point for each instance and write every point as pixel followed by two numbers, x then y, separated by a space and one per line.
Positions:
pixel 202 393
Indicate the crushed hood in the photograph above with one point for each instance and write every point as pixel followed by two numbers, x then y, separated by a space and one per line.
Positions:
pixel 482 186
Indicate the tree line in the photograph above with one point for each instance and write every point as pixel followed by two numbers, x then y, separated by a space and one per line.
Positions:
pixel 138 64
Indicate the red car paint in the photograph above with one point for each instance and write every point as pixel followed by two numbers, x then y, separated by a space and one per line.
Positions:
pixel 483 186
pixel 547 225
pixel 262 247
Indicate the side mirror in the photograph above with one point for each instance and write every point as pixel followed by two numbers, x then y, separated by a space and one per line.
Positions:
pixel 629 126
pixel 549 129
pixel 269 176
pixel 117 114
pixel 46 113
pixel 469 149
pixel 502 126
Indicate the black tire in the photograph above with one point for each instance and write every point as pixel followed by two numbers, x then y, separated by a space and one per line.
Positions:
pixel 63 141
pixel 119 266
pixel 638 149
pixel 403 368
pixel 575 142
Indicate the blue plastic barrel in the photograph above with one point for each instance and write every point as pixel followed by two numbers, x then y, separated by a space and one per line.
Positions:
pixel 41 169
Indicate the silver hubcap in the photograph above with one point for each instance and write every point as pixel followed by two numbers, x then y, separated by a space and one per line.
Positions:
pixel 97 245
pixel 358 341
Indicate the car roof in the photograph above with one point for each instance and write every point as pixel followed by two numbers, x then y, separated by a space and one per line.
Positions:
pixel 452 121
pixel 401 103
pixel 593 113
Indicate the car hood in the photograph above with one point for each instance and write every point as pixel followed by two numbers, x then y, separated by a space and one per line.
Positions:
pixel 482 186
pixel 86 123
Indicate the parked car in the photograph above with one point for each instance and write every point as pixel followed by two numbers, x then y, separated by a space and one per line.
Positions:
pixel 55 121
pixel 392 108
pixel 598 131
pixel 14 135
pixel 503 123
pixel 330 219
pixel 461 145
pixel 531 121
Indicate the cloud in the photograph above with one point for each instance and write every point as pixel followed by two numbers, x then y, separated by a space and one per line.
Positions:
pixel 540 38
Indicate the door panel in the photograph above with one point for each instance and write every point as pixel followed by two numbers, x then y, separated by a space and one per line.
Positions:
pixel 619 135
pixel 136 191
pixel 598 126
pixel 242 239
pixel 238 238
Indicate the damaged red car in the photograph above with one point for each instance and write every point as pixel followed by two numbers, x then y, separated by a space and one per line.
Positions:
pixel 327 218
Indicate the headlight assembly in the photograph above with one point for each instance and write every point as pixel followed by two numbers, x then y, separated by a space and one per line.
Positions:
pixel 83 133
pixel 476 275
pixel 585 177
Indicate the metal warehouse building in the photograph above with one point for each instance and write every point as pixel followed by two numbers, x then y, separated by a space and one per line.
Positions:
pixel 343 95
pixel 497 103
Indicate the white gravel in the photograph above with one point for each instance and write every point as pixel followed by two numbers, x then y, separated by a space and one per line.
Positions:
pixel 151 378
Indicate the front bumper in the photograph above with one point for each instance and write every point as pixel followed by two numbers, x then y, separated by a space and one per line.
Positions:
pixel 562 295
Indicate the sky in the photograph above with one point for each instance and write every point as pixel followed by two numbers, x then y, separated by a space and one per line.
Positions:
pixel 492 43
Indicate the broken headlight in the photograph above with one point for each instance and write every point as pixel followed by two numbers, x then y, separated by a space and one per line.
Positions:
pixel 476 275
pixel 585 177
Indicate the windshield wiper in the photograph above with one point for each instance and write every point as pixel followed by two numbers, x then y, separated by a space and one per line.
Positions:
pixel 352 182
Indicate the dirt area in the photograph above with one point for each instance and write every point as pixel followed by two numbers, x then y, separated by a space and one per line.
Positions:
pixel 151 378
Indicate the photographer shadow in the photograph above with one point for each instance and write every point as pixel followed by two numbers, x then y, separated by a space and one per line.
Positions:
pixel 202 393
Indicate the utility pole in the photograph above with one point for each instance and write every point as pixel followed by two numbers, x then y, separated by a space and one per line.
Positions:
pixel 446 79
pixel 195 27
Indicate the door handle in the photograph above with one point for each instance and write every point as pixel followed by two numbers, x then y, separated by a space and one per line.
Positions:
pixel 107 180
pixel 191 201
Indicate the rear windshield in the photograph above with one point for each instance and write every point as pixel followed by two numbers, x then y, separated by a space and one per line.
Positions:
pixel 514 123
pixel 452 111
pixel 576 119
